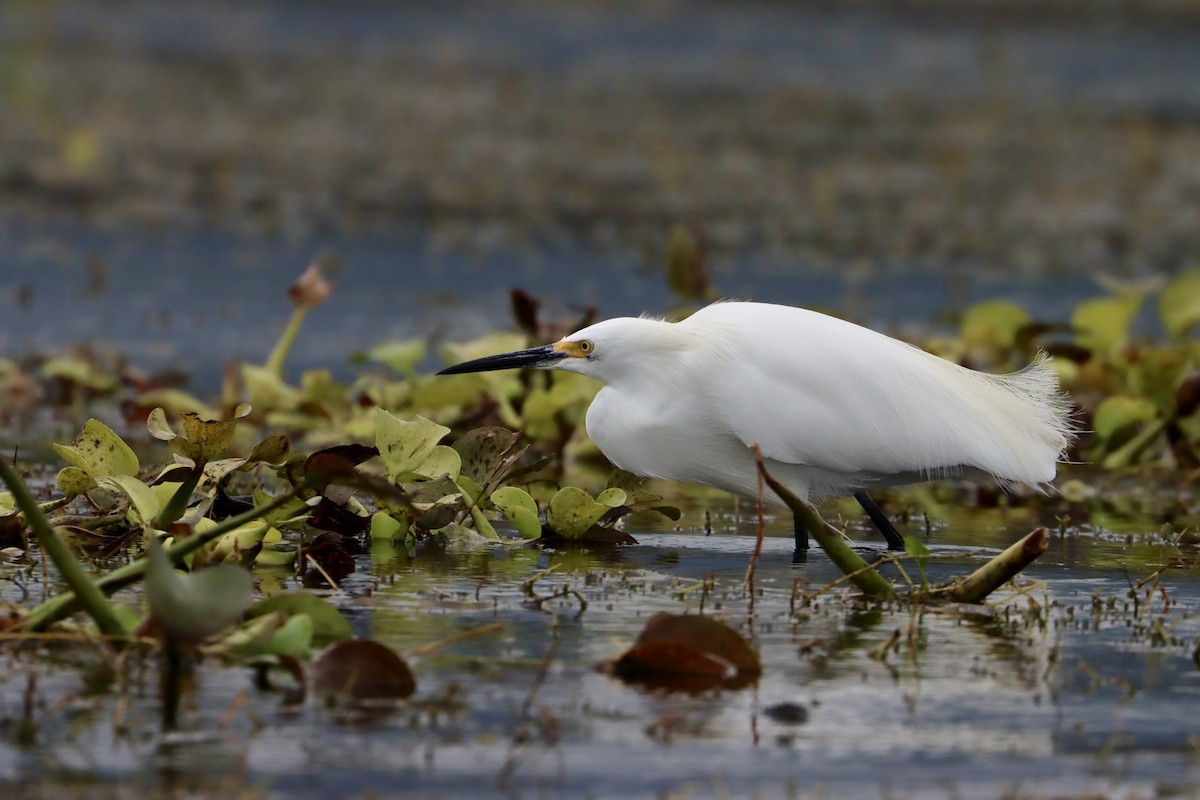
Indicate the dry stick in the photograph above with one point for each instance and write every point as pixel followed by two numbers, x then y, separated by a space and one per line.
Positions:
pixel 433 647
pixel 868 581
pixel 758 543
pixel 1001 569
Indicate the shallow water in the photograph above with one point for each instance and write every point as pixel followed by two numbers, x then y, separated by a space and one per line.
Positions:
pixel 1065 690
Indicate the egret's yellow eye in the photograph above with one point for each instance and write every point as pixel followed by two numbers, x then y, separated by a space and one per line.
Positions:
pixel 586 346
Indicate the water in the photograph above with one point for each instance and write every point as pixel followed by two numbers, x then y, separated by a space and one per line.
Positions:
pixel 1047 694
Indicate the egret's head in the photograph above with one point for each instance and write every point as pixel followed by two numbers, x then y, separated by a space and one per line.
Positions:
pixel 589 351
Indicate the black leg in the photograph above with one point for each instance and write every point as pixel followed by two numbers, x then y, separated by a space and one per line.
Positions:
pixel 894 540
pixel 800 555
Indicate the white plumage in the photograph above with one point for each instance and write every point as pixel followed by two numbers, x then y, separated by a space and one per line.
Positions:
pixel 835 407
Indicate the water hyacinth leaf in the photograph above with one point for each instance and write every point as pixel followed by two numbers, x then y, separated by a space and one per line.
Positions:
pixel 403 446
pixel 362 669
pixel 293 638
pixel 994 323
pixel 385 527
pixel 192 607
pixel 442 460
pixel 99 452
pixel 487 454
pixel 612 497
pixel 520 509
pixel 275 557
pixel 401 357
pixel 267 390
pixel 1102 324
pixel 207 440
pixel 142 499
pixel 572 511
pixel 1179 303
pixel 157 425
pixel 73 481
pixel 1117 415
pixel 271 450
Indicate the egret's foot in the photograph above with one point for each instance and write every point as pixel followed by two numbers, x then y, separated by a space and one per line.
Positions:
pixel 894 540
pixel 800 556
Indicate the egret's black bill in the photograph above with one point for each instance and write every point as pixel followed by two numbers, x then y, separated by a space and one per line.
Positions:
pixel 542 356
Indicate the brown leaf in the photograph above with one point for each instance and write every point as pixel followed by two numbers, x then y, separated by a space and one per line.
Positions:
pixel 331 516
pixel 362 669
pixel 327 550
pixel 688 653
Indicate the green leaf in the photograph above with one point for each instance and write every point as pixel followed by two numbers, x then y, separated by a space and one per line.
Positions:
pixel 401 357
pixel 294 638
pixel 99 452
pixel 442 460
pixel 1179 303
pixel 994 323
pixel 1102 324
pixel 144 502
pixel 488 454
pixel 612 497
pixel 1118 414
pixel 385 527
pixel 192 607
pixel 73 481
pixel 914 547
pixel 403 446
pixel 520 509
pixel 328 623
pixel 572 511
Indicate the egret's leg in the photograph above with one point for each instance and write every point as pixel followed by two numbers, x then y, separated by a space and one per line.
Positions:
pixel 802 541
pixel 894 540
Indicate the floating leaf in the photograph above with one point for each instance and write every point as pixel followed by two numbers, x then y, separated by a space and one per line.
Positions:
pixel 488 454
pixel 994 323
pixel 142 498
pixel 520 509
pixel 362 669
pixel 191 607
pixel 1179 303
pixel 612 497
pixel 1116 415
pixel 1102 324
pixel 572 511
pixel 402 357
pixel 690 653
pixel 99 452
pixel 385 527
pixel 403 446
pixel 328 623
pixel 73 481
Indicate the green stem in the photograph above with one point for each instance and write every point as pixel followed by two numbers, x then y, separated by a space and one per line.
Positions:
pixel 282 347
pixel 65 604
pixel 89 595
pixel 177 505
pixel 868 581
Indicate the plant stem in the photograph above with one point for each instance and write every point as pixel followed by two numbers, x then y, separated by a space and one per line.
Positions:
pixel 65 604
pixel 861 574
pixel 282 347
pixel 89 595
pixel 1001 569
pixel 177 505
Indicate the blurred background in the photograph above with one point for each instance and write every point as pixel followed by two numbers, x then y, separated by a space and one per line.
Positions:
pixel 167 169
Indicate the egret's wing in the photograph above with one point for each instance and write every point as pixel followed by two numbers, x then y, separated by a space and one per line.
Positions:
pixel 814 390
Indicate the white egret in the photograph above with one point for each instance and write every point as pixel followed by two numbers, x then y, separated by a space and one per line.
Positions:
pixel 835 407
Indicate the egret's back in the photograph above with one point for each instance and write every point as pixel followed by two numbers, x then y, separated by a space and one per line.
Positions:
pixel 834 406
